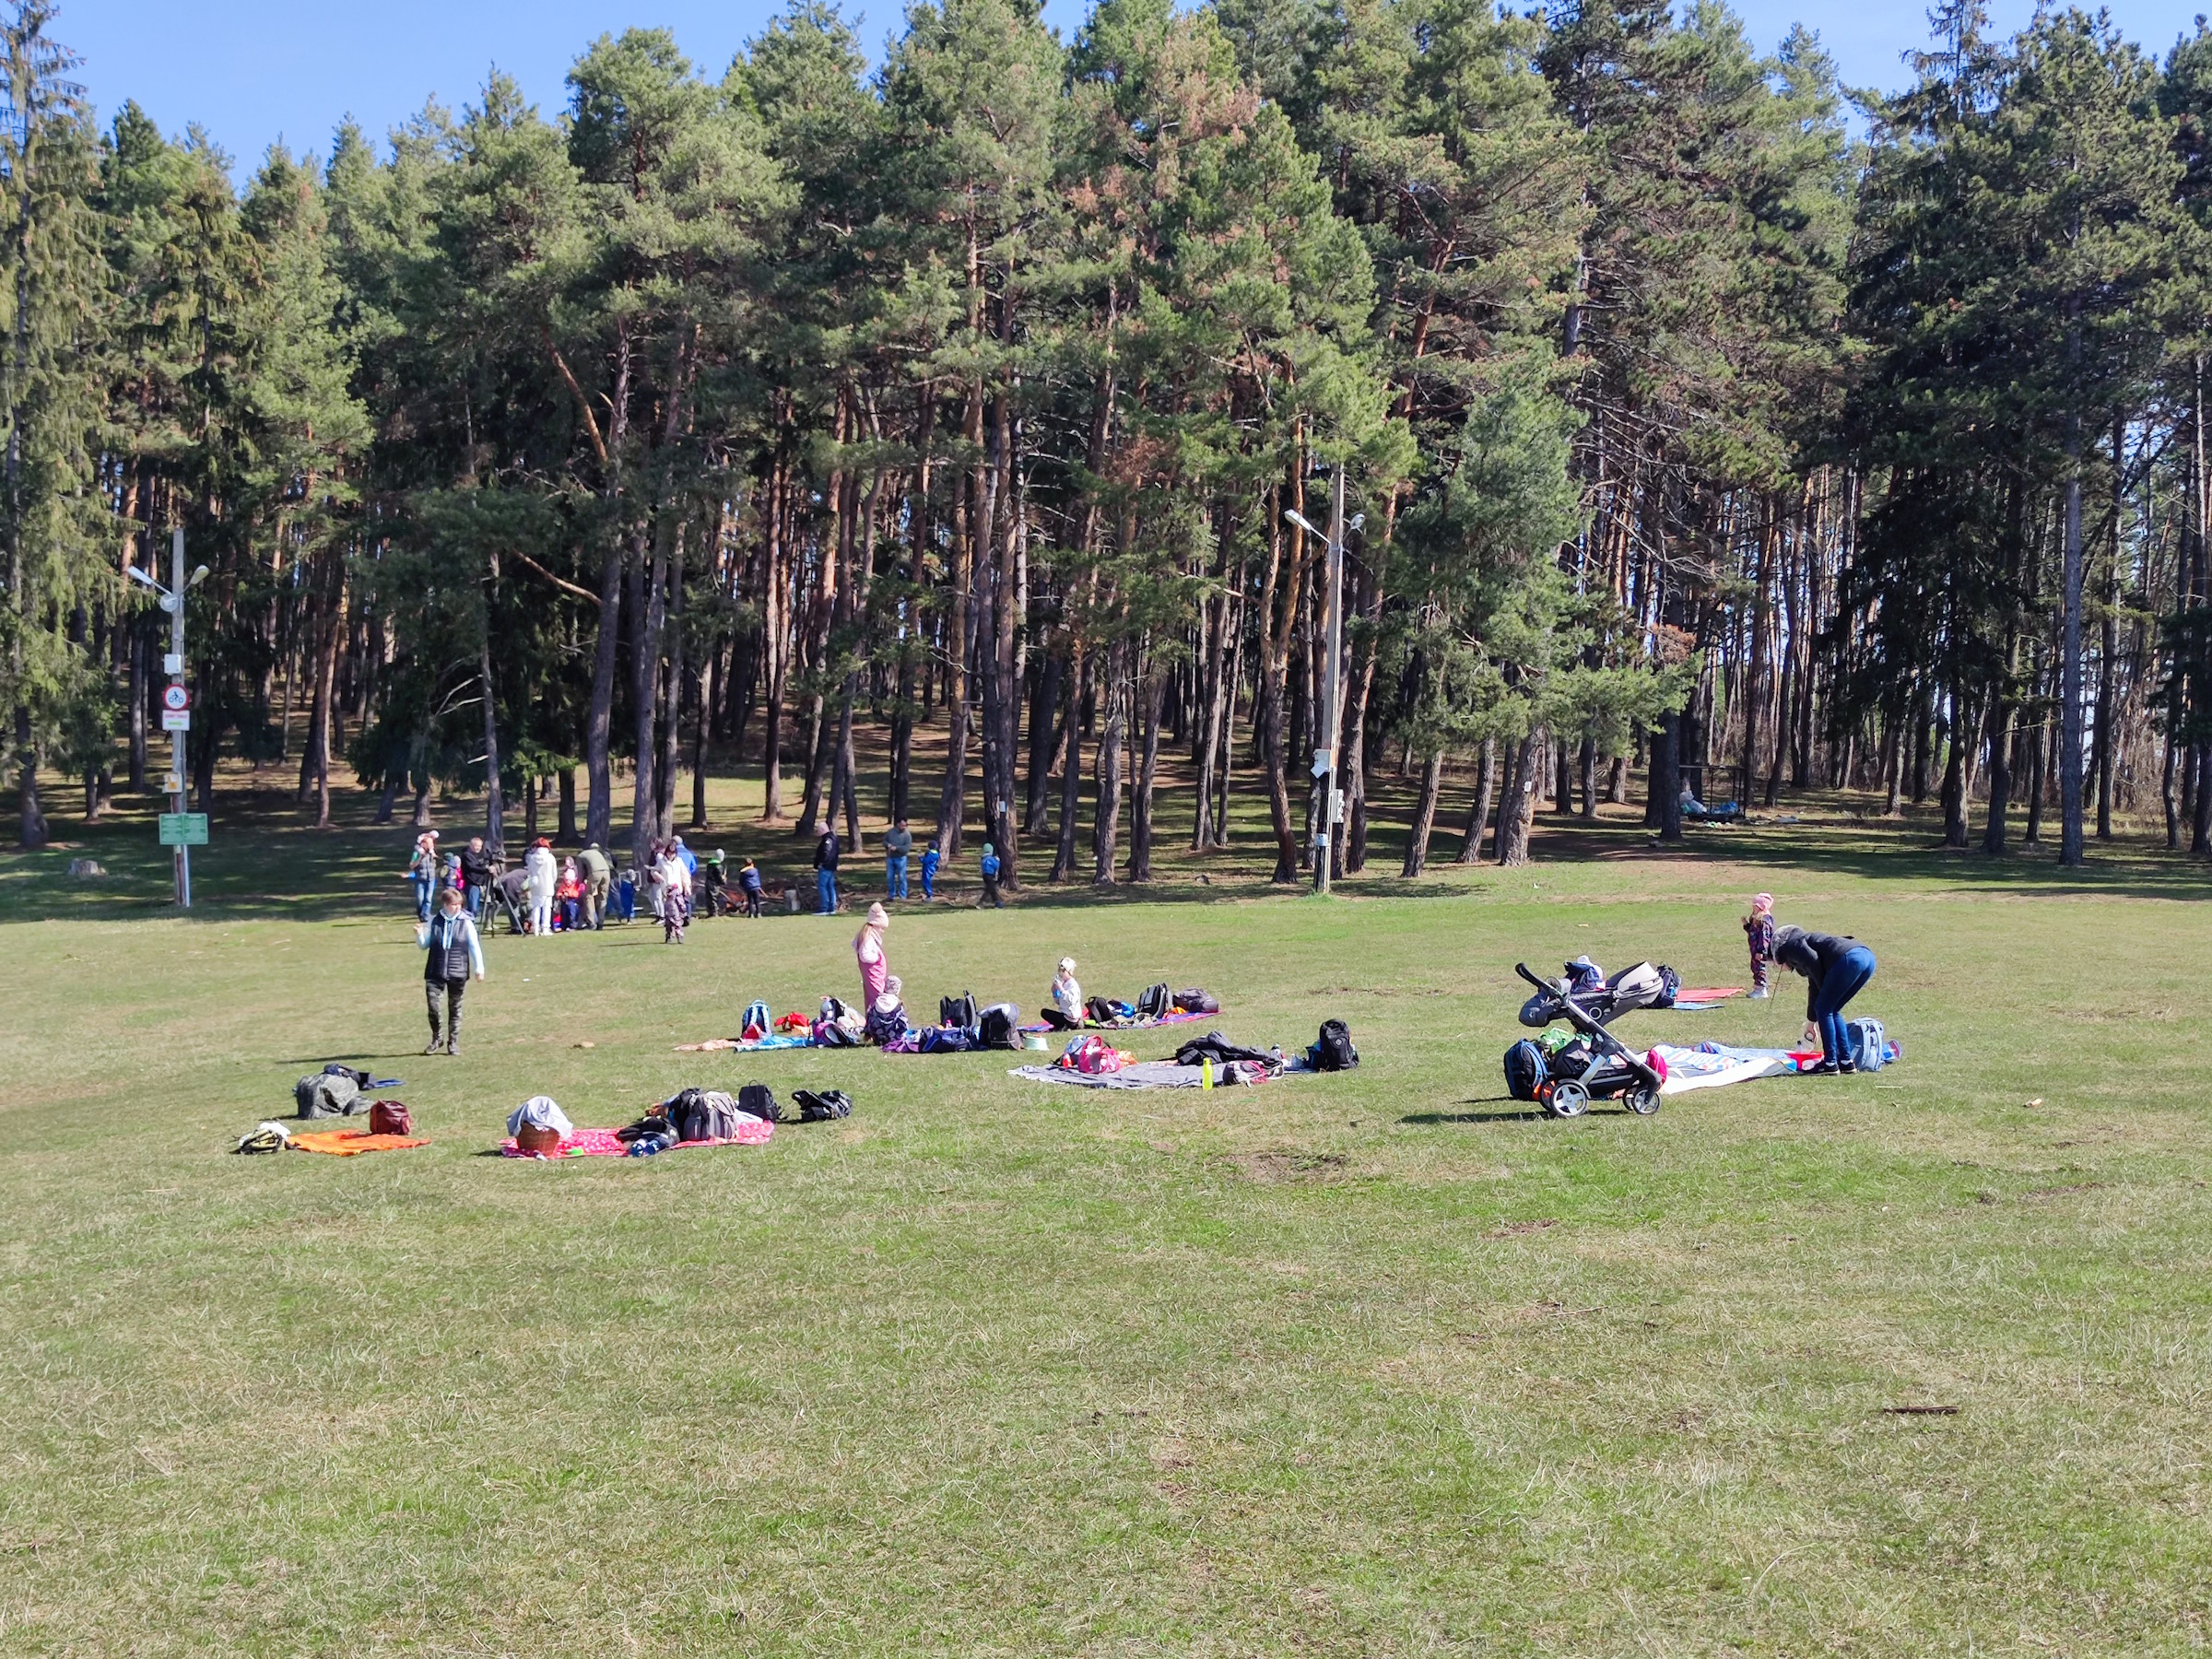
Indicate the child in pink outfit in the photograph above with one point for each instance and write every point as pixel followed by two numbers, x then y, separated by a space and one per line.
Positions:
pixel 1759 932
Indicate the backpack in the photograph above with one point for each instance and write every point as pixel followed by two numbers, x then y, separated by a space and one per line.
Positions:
pixel 1194 1001
pixel 1670 987
pixel 1153 1001
pixel 1334 1050
pixel 945 1039
pixel 828 1034
pixel 758 1020
pixel 335 1091
pixel 827 1106
pixel 1868 1044
pixel 1525 1072
pixel 390 1117
pixel 999 1027
pixel 958 1011
pixel 1101 1011
pixel 1091 1055
pixel 760 1100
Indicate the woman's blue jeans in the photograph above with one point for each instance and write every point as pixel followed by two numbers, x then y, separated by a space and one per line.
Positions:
pixel 1842 983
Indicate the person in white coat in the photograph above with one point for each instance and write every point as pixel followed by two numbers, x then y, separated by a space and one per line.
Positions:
pixel 538 867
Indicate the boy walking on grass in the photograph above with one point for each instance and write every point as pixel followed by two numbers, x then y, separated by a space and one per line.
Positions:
pixel 454 955
pixel 989 866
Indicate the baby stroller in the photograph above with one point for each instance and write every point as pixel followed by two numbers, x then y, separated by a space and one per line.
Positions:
pixel 1646 986
pixel 1592 1065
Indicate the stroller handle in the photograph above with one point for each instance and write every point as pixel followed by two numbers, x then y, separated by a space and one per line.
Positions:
pixel 1522 969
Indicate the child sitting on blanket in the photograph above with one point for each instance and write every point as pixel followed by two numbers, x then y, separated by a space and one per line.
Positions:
pixel 1758 930
pixel 887 1016
pixel 1063 1012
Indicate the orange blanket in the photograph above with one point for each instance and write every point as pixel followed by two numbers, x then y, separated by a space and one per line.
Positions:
pixel 352 1142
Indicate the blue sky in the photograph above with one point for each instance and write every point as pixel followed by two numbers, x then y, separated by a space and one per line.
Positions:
pixel 254 71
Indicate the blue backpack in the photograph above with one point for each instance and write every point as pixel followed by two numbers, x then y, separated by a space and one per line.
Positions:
pixel 1525 1070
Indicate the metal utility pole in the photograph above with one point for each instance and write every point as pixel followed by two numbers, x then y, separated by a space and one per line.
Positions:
pixel 1324 757
pixel 1328 800
pixel 175 666
pixel 180 829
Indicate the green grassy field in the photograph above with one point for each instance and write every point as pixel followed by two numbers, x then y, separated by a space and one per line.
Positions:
pixel 1374 1364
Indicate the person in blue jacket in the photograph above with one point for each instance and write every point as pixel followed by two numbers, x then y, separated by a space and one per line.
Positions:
pixel 1836 970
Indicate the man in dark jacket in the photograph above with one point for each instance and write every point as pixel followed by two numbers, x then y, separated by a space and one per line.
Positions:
pixel 1836 970
pixel 826 851
pixel 476 875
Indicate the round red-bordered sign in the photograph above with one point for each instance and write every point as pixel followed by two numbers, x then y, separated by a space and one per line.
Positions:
pixel 176 697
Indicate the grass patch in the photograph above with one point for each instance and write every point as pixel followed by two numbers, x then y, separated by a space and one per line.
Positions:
pixel 1370 1365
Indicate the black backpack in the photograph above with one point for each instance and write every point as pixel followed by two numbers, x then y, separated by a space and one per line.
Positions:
pixel 1000 1027
pixel 1524 1070
pixel 824 1107
pixel 1153 1002
pixel 1334 1049
pixel 760 1100
pixel 958 1011
pixel 1670 987
pixel 1193 1000
pixel 1102 1012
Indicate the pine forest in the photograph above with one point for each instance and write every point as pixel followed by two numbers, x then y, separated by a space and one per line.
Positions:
pixel 957 434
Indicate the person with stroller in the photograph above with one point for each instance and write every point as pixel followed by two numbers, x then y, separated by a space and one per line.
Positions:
pixel 453 955
pixel 1836 970
pixel 423 870
pixel 826 854
pixel 538 864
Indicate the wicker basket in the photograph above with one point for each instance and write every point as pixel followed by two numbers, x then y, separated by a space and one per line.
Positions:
pixel 537 1138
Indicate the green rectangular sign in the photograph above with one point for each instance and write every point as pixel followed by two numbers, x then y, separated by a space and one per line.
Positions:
pixel 183 828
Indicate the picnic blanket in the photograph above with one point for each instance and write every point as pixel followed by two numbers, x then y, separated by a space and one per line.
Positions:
pixel 1178 1017
pixel 1714 1064
pixel 352 1142
pixel 744 1045
pixel 1148 1074
pixel 605 1143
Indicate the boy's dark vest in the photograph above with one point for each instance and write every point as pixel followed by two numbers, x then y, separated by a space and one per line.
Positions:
pixel 448 954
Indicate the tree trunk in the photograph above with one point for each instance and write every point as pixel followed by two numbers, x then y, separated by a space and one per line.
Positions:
pixel 1478 810
pixel 1424 817
pixel 1664 780
pixel 1043 710
pixel 495 817
pixel 1106 820
pixel 599 721
pixel 1148 766
pixel 1071 774
pixel 1518 812
pixel 32 817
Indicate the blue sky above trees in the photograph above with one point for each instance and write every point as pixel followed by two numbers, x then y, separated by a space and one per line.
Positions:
pixel 253 71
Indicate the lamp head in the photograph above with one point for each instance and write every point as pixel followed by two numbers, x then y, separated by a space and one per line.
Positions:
pixel 135 575
pixel 198 576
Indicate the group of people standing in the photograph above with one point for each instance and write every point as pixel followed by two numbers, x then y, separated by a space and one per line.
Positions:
pixel 897 855
pixel 550 896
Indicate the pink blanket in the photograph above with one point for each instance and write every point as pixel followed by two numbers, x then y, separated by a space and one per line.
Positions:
pixel 603 1143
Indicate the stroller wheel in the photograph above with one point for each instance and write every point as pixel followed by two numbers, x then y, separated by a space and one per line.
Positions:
pixel 1568 1100
pixel 1642 1099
